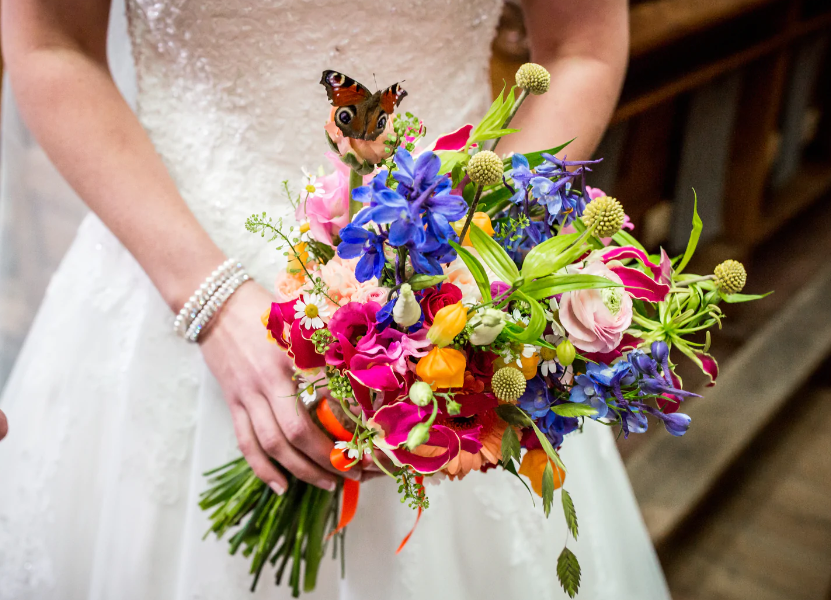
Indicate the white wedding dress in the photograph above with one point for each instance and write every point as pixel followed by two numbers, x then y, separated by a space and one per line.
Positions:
pixel 114 418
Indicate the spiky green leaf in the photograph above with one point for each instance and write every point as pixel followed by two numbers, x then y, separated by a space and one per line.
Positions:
pixel 512 414
pixel 493 255
pixel 695 234
pixel 568 572
pixel 570 513
pixel 510 445
pixel 476 270
pixel 547 488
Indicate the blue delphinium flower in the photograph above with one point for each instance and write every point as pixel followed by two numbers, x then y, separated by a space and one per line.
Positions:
pixel 419 211
pixel 521 175
pixel 536 400
pixel 555 427
pixel 357 241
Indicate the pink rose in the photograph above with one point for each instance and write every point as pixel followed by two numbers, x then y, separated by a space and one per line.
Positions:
pixel 369 292
pixel 596 319
pixel 435 299
pixel 366 151
pixel 328 208
pixel 287 286
pixel 339 275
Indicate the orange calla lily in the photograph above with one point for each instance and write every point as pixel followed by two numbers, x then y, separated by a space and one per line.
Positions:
pixel 533 465
pixel 442 368
pixel 447 324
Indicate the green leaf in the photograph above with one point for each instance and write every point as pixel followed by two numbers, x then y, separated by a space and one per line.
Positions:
pixel 495 198
pixel 535 159
pixel 510 445
pixel 537 262
pixel 570 513
pixel 695 234
pixel 422 282
pixel 476 270
pixel 624 239
pixel 735 298
pixel 509 466
pixel 450 159
pixel 491 124
pixel 568 572
pixel 536 325
pixel 574 410
pixel 547 488
pixel 546 445
pixel 494 255
pixel 513 415
pixel 560 284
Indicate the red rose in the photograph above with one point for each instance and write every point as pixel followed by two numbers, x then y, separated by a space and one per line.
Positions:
pixel 480 365
pixel 435 299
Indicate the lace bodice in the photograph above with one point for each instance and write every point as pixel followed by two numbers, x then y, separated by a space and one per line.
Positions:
pixel 229 92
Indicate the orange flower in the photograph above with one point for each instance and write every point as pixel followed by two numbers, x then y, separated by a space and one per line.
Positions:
pixel 442 368
pixel 529 365
pixel 295 265
pixel 533 465
pixel 481 220
pixel 447 324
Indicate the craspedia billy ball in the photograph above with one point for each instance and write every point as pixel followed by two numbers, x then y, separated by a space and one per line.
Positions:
pixel 534 78
pixel 607 213
pixel 508 384
pixel 485 168
pixel 730 276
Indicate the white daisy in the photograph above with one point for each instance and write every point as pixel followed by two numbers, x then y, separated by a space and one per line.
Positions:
pixel 311 309
pixel 549 367
pixel 351 451
pixel 519 317
pixel 313 187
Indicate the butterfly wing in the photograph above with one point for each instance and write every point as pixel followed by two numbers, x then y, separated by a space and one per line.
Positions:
pixel 343 90
pixel 392 97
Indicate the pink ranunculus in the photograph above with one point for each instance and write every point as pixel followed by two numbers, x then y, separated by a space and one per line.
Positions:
pixel 596 319
pixel 369 292
pixel 366 151
pixel 328 208
pixel 288 286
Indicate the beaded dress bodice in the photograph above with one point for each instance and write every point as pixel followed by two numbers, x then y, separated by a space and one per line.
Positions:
pixel 229 91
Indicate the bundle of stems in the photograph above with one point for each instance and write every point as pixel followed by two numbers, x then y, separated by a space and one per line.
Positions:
pixel 277 529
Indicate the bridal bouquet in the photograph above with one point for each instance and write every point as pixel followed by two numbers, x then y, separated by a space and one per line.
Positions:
pixel 450 310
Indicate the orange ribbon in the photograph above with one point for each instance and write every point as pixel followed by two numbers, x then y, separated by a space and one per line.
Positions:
pixel 351 488
pixel 419 480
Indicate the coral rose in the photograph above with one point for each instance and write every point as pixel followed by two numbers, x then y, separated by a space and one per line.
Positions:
pixel 372 152
pixel 596 319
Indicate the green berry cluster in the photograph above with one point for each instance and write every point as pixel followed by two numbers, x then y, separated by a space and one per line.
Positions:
pixel 463 339
pixel 340 388
pixel 322 339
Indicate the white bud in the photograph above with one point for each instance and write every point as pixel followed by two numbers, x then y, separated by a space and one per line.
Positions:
pixel 421 394
pixel 406 311
pixel 487 324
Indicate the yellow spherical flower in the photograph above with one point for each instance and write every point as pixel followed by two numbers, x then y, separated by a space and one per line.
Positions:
pixel 447 324
pixel 442 368
pixel 298 258
pixel 533 466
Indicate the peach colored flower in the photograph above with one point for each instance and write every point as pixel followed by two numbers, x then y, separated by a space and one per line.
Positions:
pixel 370 151
pixel 596 319
pixel 369 292
pixel 339 275
pixel 288 286
pixel 459 275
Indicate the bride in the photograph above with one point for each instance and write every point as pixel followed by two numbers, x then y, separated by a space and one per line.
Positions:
pixel 114 417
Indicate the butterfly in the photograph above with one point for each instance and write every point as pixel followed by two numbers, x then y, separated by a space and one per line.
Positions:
pixel 360 114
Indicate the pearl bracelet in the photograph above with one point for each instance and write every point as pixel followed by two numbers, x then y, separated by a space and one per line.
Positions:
pixel 213 305
pixel 201 296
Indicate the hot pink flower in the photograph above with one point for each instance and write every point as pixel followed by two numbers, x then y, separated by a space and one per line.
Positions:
pixel 596 319
pixel 366 151
pixel 328 208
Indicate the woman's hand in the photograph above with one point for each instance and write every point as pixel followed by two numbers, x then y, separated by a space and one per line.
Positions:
pixel 256 378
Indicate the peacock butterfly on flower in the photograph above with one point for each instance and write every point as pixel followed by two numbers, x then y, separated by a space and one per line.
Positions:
pixel 360 114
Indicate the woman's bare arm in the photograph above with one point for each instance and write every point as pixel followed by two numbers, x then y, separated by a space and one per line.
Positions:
pixel 55 52
pixel 584 45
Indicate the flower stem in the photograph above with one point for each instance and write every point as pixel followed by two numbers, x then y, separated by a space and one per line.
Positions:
pixel 522 96
pixel 470 213
pixel 695 280
pixel 355 181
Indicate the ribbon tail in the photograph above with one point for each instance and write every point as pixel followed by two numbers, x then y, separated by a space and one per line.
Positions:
pixel 351 493
pixel 419 479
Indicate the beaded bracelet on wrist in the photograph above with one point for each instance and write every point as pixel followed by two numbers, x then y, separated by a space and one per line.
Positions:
pixel 213 305
pixel 206 290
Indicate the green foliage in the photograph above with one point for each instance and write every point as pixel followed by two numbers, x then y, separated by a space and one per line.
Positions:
pixel 451 160
pixel 623 238
pixel 476 270
pixel 551 285
pixel 547 488
pixel 513 415
pixel 535 159
pixel 549 449
pixel 422 282
pixel 570 513
pixel 537 262
pixel 511 468
pixel 340 388
pixel 735 298
pixel 568 572
pixel 510 445
pixel 494 255
pixel 322 338
pixel 695 234
pixel 411 490
pixel 536 325
pixel 574 410
pixel 490 127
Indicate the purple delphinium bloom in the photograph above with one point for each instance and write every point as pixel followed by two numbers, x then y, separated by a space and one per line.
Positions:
pixel 536 400
pixel 554 427
pixel 357 241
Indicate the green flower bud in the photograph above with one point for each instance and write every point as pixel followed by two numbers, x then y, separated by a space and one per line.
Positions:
pixel 566 353
pixel 418 435
pixel 607 213
pixel 534 78
pixel 730 276
pixel 485 168
pixel 421 394
pixel 453 407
